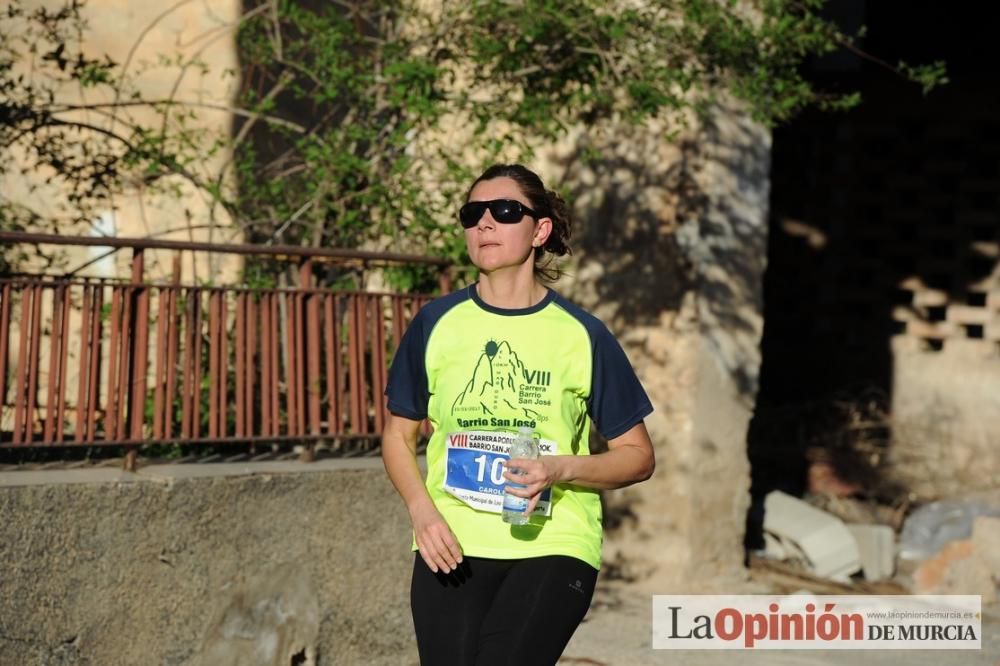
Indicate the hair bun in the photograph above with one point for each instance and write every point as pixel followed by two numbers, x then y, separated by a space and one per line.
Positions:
pixel 558 240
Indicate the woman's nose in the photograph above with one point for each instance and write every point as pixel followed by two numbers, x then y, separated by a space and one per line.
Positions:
pixel 487 220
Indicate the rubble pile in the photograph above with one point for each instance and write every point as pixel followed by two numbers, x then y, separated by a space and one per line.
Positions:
pixel 942 547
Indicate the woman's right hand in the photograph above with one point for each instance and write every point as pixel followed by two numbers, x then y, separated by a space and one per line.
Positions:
pixel 435 540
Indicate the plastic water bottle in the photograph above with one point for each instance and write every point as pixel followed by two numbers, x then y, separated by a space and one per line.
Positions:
pixel 514 507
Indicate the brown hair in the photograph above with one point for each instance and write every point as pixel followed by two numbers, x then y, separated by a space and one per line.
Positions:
pixel 546 203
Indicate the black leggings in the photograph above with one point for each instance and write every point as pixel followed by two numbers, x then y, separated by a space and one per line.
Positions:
pixel 499 612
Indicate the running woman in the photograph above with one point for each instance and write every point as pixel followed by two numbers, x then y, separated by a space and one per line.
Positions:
pixel 480 363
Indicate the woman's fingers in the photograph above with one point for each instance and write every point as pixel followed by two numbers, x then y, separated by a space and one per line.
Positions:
pixel 428 560
pixel 528 473
pixel 529 490
pixel 436 542
pixel 430 551
pixel 448 547
pixel 439 548
pixel 532 475
pixel 520 466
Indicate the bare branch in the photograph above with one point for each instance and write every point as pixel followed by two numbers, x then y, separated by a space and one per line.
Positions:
pixel 276 24
pixel 294 216
pixel 135 46
pixel 253 115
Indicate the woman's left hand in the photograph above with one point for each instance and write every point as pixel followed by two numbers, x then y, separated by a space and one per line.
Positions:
pixel 535 475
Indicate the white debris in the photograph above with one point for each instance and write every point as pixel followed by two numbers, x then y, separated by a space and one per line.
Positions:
pixel 829 548
pixel 877 547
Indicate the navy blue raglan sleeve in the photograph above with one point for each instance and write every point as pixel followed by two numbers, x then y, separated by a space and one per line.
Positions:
pixel 617 400
pixel 407 386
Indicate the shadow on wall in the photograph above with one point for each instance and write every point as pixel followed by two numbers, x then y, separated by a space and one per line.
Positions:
pixel 671 240
pixel 628 216
pixel 729 251
pixel 659 224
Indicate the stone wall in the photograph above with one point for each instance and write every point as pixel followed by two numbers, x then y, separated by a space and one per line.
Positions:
pixel 259 563
pixel 670 254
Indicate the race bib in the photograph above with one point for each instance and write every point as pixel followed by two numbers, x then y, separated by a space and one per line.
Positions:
pixel 474 464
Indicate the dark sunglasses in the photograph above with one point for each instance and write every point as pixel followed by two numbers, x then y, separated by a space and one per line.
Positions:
pixel 506 211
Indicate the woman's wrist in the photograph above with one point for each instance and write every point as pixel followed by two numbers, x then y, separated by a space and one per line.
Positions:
pixel 563 468
pixel 419 503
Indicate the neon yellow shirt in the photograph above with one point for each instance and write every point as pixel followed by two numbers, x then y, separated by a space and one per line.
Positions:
pixel 478 373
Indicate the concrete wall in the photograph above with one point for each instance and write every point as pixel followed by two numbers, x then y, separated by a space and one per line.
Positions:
pixel 248 564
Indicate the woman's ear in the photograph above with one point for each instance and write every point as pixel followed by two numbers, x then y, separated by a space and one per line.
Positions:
pixel 543 228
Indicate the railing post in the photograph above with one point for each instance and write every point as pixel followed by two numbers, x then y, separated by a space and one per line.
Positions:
pixel 138 325
pixel 22 393
pixel 308 355
pixel 444 280
pixel 5 293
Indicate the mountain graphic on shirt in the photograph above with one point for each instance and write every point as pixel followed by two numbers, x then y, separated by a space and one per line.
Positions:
pixel 496 381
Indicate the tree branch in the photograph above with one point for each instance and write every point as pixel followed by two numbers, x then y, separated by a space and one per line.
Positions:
pixel 253 115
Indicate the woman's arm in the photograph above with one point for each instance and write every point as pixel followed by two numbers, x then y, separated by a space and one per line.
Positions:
pixel 629 459
pixel 435 540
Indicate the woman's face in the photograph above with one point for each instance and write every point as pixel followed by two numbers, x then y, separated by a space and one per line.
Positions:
pixel 493 245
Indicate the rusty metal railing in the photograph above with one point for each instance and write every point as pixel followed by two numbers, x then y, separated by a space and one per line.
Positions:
pixel 92 362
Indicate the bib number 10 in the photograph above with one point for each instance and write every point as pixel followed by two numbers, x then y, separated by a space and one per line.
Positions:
pixel 496 469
